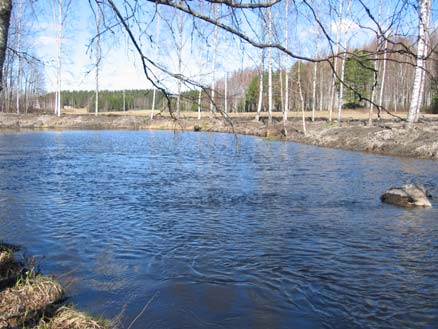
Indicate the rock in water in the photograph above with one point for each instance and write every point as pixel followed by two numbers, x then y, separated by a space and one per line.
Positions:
pixel 410 195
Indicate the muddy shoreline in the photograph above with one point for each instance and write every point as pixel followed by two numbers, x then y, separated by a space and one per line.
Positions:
pixel 387 137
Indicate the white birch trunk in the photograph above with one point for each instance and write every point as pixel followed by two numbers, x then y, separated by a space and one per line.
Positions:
pixel 315 72
pixel 199 104
pixel 382 84
pixel 213 64
pixel 280 77
pixel 300 89
pixel 96 108
pixel 344 58
pixel 341 87
pixel 179 54
pixel 335 65
pixel 321 89
pixel 157 40
pixel 286 75
pixel 260 102
pixel 376 68
pixel 226 94
pixel 417 89
pixel 58 18
pixel 270 66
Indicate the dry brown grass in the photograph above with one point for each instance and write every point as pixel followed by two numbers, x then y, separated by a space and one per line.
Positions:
pixel 358 114
pixel 69 318
pixel 25 302
pixel 10 270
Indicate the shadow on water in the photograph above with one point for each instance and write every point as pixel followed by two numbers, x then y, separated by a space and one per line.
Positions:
pixel 273 235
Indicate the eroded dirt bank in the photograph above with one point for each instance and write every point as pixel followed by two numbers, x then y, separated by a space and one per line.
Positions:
pixel 388 137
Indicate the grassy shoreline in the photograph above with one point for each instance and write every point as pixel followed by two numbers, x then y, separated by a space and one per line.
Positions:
pixel 30 300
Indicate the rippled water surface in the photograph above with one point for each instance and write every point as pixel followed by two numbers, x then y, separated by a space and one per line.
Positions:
pixel 215 232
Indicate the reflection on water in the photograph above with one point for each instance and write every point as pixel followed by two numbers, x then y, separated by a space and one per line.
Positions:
pixel 270 235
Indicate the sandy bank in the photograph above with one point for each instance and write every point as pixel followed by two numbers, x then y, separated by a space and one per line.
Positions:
pixel 387 136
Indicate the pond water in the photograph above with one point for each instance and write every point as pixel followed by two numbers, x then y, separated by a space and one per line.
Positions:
pixel 222 231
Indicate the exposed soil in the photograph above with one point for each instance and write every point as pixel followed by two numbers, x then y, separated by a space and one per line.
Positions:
pixel 388 136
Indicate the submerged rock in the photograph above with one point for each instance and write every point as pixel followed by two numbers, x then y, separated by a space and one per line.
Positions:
pixel 410 195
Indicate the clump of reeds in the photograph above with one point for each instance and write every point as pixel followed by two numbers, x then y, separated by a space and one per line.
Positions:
pixel 31 297
pixel 69 318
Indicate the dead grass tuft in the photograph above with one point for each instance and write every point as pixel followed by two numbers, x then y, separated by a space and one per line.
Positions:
pixel 5 257
pixel 10 270
pixel 69 318
pixel 27 300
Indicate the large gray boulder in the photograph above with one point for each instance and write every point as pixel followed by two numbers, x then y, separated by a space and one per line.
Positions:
pixel 410 195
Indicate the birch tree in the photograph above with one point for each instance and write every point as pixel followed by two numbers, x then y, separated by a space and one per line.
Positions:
pixel 373 91
pixel 344 57
pixel 422 49
pixel 315 72
pixel 286 75
pixel 59 10
pixel 270 32
pixel 335 65
pixel 97 50
pixel 303 105
pixel 226 93
pixel 213 63
pixel 157 43
pixel 179 46
pixel 261 72
pixel 199 103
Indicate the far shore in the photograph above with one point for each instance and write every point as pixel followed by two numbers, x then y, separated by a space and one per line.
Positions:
pixel 387 136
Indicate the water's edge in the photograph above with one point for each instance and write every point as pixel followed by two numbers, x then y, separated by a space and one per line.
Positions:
pixel 388 137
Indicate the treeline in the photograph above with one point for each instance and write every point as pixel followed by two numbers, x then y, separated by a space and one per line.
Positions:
pixel 390 88
pixel 109 100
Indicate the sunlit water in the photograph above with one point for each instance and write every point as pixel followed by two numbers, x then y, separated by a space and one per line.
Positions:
pixel 210 231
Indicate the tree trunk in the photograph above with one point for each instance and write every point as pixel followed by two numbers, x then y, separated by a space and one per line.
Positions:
pixel 226 94
pixel 344 58
pixel 199 104
pixel 335 66
pixel 286 75
pixel 300 89
pixel 213 64
pixel 58 18
pixel 315 72
pixel 417 89
pixel 260 103
pixel 157 41
pixel 270 66
pixel 382 84
pixel 376 68
pixel 179 51
pixel 5 16
pixel 96 105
